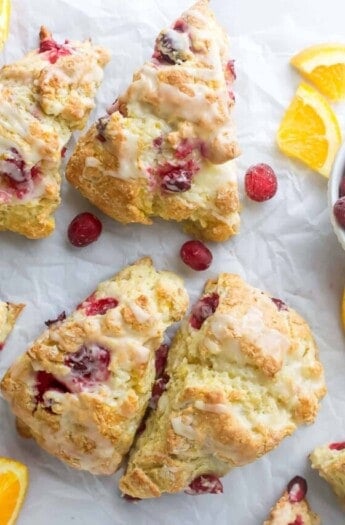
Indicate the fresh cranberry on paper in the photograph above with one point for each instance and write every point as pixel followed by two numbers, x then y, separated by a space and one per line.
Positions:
pixel 84 229
pixel 260 182
pixel 196 255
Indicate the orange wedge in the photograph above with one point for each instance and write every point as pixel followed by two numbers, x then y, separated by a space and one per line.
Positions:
pixel 5 13
pixel 13 485
pixel 310 130
pixel 324 66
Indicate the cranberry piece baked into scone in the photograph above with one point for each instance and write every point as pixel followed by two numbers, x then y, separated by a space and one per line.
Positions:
pixel 329 460
pixel 244 373
pixel 44 97
pixel 82 388
pixel 8 315
pixel 164 148
pixel 293 508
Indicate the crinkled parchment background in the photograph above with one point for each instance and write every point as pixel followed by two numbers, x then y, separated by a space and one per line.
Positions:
pixel 286 246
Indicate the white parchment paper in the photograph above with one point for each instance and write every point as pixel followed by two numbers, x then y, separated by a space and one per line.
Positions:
pixel 285 246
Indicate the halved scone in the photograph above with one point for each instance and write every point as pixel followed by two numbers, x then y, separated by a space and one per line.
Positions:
pixel 8 315
pixel 83 386
pixel 293 508
pixel 242 374
pixel 167 145
pixel 329 460
pixel 44 97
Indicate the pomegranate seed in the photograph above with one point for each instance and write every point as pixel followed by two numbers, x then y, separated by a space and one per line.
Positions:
pixel 342 187
pixel 298 521
pixel 159 387
pixel 260 183
pixel 84 229
pixel 59 318
pixel 161 359
pixel 297 489
pixel 46 381
pixel 337 446
pixel 339 211
pixel 89 365
pixel 205 484
pixel 279 304
pixel 196 255
pixel 93 306
pixel 181 26
pixel 230 66
pixel 203 309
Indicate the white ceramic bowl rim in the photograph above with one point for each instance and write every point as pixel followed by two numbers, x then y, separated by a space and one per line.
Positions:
pixel 338 171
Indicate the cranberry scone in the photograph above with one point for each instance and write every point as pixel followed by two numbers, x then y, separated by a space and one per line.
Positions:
pixel 242 374
pixel 83 386
pixel 329 460
pixel 8 315
pixel 165 148
pixel 293 508
pixel 44 97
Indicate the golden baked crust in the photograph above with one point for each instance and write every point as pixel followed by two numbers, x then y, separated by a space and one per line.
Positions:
pixel 44 97
pixel 238 385
pixel 8 315
pixel 166 148
pixel 83 386
pixel 330 462
pixel 287 512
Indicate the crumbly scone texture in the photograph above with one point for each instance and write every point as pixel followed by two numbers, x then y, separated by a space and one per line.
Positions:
pixel 166 148
pixel 238 385
pixel 331 466
pixel 44 97
pixel 83 386
pixel 287 513
pixel 8 315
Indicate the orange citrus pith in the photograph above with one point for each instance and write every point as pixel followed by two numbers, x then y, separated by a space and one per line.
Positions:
pixel 13 485
pixel 310 131
pixel 324 66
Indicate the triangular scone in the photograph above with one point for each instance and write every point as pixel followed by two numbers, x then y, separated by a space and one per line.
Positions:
pixel 82 388
pixel 8 315
pixel 163 150
pixel 44 97
pixel 244 373
pixel 329 460
pixel 293 508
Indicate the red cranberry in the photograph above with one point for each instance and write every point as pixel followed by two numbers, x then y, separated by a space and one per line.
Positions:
pixel 16 173
pixel 1 346
pixel 205 484
pixel 184 148
pixel 339 211
pixel 230 66
pixel 203 309
pixel 89 365
pixel 260 183
pixel 177 178
pixel 101 127
pixel 165 52
pixel 181 26
pixel 161 359
pixel 46 381
pixel 63 151
pixel 157 142
pixel 55 50
pixel 279 304
pixel 158 388
pixel 84 229
pixel 196 255
pixel 59 318
pixel 342 187
pixel 297 489
pixel 337 446
pixel 298 521
pixel 93 306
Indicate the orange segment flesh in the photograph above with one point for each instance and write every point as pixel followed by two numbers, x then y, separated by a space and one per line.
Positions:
pixel 13 485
